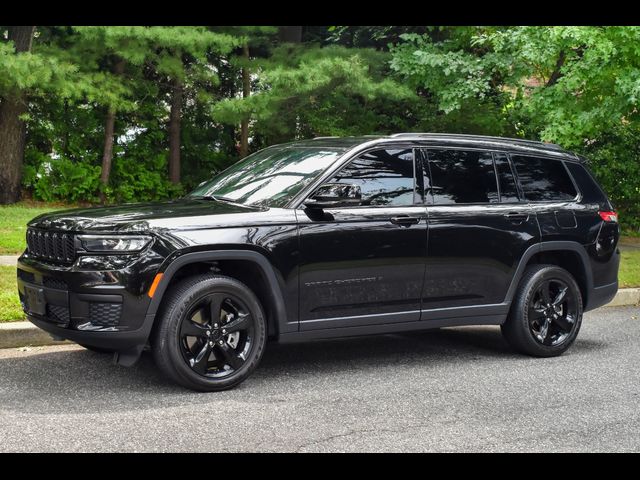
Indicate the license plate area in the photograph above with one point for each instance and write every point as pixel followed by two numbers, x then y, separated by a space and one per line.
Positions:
pixel 35 300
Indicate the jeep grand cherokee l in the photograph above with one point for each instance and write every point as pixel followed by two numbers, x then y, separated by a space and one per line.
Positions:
pixel 331 237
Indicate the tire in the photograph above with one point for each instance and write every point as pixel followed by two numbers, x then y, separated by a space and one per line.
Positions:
pixel 210 362
pixel 532 311
pixel 96 349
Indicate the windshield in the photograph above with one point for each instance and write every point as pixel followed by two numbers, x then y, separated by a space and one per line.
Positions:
pixel 271 177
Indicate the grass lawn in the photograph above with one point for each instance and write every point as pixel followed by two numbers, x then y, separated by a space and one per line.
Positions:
pixel 629 275
pixel 13 224
pixel 10 308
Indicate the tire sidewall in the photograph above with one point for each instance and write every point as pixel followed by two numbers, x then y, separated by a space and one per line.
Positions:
pixel 169 341
pixel 530 344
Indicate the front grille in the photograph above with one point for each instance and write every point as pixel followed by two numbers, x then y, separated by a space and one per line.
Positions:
pixel 105 314
pixel 58 314
pixel 52 246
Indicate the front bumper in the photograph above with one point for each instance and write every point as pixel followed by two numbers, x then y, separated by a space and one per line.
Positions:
pixel 116 341
pixel 90 302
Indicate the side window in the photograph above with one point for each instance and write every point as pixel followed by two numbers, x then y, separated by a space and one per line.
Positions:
pixel 543 179
pixel 386 177
pixel 506 181
pixel 591 191
pixel 462 176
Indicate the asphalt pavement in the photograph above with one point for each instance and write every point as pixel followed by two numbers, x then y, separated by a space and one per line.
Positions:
pixel 453 389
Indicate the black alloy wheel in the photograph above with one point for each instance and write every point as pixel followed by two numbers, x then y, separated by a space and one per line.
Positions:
pixel 211 333
pixel 546 312
pixel 216 335
pixel 553 312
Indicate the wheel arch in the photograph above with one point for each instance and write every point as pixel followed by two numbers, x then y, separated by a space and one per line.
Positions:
pixel 271 296
pixel 569 255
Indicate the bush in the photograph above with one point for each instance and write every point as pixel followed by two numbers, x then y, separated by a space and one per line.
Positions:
pixel 63 179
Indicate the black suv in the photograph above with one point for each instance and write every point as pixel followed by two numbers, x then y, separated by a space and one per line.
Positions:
pixel 326 238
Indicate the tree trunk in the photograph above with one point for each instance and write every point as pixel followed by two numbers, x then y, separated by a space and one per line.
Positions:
pixel 556 74
pixel 12 128
pixel 292 34
pixel 109 129
pixel 246 91
pixel 174 132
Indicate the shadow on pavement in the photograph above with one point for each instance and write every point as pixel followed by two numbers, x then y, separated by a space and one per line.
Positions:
pixel 67 380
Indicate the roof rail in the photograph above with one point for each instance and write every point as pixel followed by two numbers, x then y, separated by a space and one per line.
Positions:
pixel 532 143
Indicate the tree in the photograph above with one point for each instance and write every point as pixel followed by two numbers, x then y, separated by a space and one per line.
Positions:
pixel 576 86
pixel 307 90
pixel 109 126
pixel 12 127
pixel 176 55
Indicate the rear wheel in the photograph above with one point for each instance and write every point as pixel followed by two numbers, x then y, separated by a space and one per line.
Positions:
pixel 211 333
pixel 546 312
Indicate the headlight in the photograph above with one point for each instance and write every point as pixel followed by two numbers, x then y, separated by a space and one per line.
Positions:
pixel 104 244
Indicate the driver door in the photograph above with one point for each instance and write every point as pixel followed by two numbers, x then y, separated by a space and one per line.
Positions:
pixel 365 264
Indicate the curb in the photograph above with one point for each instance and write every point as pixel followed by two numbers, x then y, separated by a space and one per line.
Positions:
pixel 20 334
pixel 625 297
pixel 8 260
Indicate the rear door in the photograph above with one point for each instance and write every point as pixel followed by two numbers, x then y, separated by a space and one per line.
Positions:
pixel 479 228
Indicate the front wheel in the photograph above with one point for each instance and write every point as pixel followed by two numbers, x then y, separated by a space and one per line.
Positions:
pixel 211 333
pixel 546 312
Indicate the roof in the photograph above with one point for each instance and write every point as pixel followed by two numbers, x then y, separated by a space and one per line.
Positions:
pixel 501 143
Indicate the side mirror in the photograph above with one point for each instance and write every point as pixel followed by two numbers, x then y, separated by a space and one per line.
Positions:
pixel 334 195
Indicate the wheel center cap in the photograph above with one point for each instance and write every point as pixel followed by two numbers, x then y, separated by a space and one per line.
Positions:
pixel 216 335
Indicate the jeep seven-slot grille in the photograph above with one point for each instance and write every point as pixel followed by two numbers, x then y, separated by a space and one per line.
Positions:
pixel 52 246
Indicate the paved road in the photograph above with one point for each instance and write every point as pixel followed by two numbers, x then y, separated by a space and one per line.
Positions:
pixel 448 390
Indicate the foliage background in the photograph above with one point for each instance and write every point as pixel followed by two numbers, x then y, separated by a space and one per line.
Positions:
pixel 575 86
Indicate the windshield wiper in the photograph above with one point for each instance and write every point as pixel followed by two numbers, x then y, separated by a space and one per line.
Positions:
pixel 217 198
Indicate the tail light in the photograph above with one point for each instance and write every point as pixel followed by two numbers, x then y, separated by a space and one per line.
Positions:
pixel 611 217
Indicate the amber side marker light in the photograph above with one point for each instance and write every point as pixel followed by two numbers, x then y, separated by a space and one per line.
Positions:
pixel 154 285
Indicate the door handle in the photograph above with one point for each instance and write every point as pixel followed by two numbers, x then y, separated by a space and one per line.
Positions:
pixel 405 220
pixel 516 217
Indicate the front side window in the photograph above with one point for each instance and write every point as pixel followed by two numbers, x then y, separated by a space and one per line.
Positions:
pixel 271 177
pixel 462 176
pixel 543 179
pixel 386 177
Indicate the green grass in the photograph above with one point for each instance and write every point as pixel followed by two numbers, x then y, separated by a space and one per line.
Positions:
pixel 10 308
pixel 13 224
pixel 629 275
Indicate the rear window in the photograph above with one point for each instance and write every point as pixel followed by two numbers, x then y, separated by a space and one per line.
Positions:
pixel 459 176
pixel 543 179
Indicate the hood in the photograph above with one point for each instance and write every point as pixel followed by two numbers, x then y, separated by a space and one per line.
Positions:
pixel 146 217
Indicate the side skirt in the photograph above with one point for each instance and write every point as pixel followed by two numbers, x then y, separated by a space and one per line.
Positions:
pixel 294 337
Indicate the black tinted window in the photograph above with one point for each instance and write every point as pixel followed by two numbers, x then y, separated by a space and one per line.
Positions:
pixel 506 182
pixel 459 176
pixel 543 179
pixel 590 190
pixel 385 177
